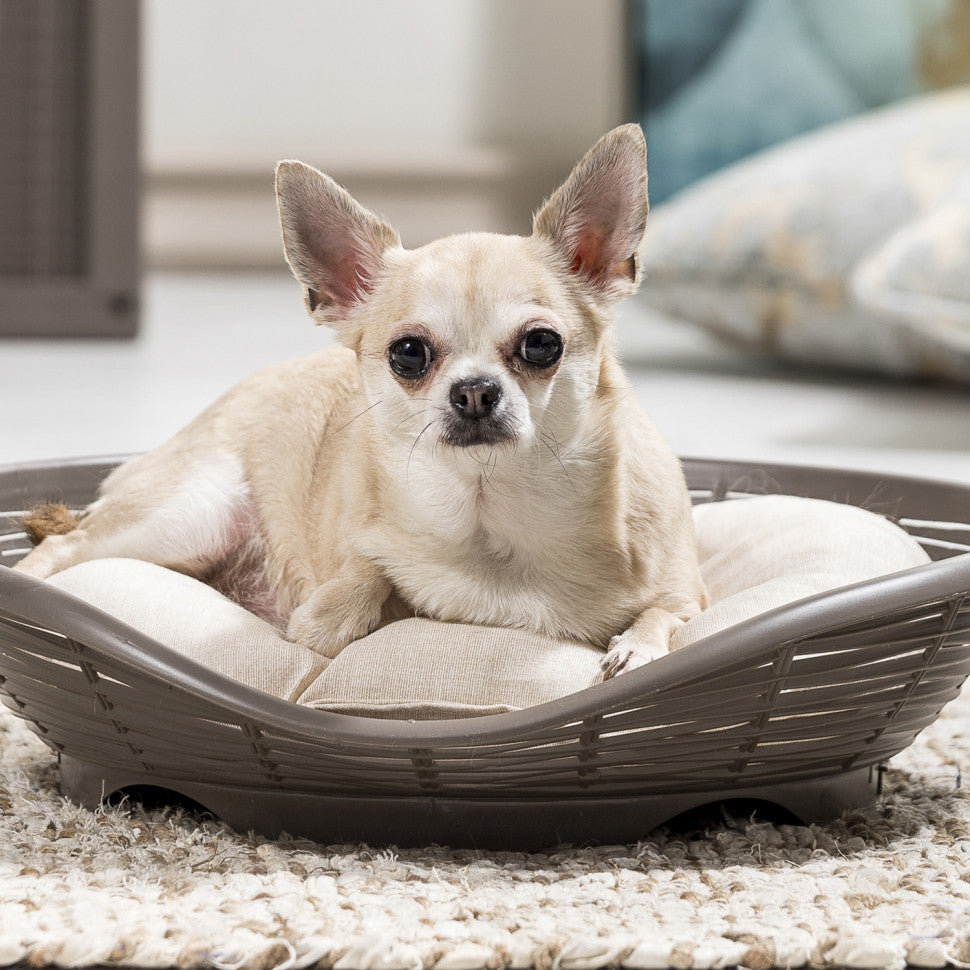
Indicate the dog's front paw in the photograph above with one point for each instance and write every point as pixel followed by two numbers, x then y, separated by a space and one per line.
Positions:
pixel 345 608
pixel 315 631
pixel 627 652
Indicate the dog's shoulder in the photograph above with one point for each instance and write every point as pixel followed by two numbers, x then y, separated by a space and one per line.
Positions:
pixel 317 380
pixel 289 404
pixel 330 365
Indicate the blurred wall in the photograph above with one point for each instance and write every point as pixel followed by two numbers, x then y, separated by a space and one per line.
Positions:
pixel 443 115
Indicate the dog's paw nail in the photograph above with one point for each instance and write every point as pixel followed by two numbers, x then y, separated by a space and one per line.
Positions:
pixel 615 662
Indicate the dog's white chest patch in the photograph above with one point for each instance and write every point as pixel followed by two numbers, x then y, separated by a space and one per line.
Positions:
pixel 523 552
pixel 552 590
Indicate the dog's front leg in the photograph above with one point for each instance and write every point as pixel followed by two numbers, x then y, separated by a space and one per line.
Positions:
pixel 647 638
pixel 346 607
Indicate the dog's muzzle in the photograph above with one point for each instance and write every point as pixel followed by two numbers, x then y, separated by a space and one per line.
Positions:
pixel 476 416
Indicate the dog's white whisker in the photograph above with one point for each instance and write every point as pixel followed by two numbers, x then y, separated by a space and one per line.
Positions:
pixel 414 416
pixel 551 443
pixel 407 471
pixel 490 465
pixel 356 417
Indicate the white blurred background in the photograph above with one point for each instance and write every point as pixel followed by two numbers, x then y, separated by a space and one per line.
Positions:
pixel 444 116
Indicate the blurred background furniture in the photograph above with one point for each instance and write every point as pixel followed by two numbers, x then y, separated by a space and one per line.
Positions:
pixel 448 115
pixel 847 247
pixel 722 79
pixel 69 183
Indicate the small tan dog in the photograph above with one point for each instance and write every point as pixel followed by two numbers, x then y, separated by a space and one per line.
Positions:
pixel 471 453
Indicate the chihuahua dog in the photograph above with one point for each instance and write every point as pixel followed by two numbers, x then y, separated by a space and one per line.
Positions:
pixel 472 452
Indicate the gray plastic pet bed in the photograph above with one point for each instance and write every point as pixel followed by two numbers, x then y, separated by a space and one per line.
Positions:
pixel 798 707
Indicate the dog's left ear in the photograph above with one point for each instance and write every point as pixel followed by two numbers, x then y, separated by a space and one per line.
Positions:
pixel 334 245
pixel 597 217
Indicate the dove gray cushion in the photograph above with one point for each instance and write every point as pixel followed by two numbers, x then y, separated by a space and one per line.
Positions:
pixel 848 246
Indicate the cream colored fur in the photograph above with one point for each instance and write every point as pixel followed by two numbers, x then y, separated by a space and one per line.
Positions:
pixel 349 494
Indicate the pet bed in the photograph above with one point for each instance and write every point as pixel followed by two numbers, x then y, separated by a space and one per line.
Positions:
pixel 799 706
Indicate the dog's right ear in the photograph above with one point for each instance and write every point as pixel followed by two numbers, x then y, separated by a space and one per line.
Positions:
pixel 334 245
pixel 597 218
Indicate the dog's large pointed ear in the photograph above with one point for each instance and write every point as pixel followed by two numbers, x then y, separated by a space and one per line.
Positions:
pixel 597 217
pixel 334 245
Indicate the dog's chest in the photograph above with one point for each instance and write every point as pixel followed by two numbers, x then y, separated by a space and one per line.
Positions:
pixel 531 568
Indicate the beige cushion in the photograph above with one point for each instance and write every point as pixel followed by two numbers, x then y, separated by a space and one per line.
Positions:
pixel 415 668
pixel 847 246
pixel 424 669
pixel 760 553
pixel 195 620
pixel 756 554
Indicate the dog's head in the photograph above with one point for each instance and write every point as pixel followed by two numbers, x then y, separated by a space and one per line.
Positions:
pixel 476 340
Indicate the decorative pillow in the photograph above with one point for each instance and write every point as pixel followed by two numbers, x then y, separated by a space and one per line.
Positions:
pixel 848 246
pixel 726 78
pixel 756 554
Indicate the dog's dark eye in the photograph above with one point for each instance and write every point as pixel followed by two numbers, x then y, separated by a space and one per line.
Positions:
pixel 409 357
pixel 541 348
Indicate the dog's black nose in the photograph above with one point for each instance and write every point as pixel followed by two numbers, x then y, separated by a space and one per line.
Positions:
pixel 476 397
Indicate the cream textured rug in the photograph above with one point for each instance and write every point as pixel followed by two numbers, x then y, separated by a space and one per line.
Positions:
pixel 877 889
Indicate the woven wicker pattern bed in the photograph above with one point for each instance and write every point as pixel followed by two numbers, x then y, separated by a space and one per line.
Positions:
pixel 799 706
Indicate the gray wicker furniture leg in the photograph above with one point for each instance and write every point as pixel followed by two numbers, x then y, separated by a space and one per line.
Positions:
pixel 798 707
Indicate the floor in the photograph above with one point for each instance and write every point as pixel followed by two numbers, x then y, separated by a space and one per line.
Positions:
pixel 200 333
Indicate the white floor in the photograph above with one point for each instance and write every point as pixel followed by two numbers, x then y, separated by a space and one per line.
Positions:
pixel 200 333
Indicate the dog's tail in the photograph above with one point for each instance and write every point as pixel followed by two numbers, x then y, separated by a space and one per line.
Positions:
pixel 49 519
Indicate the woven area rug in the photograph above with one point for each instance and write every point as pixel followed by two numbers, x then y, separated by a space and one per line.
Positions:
pixel 880 888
